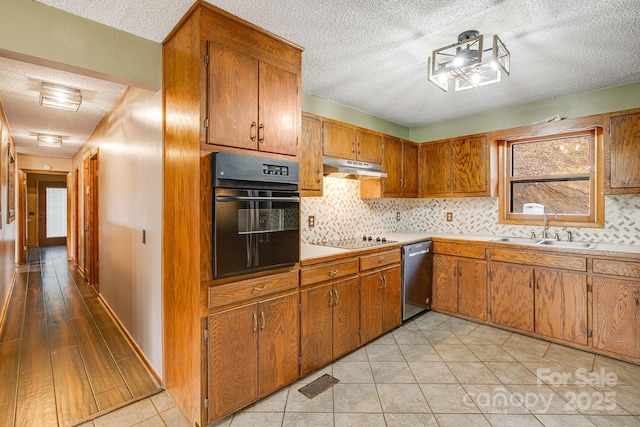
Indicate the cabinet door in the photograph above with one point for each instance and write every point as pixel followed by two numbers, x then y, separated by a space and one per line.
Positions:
pixel 469 164
pixel 316 329
pixel 279 110
pixel 233 360
pixel 391 299
pixel 311 155
pixel 346 316
pixel 616 316
pixel 338 141
pixel 278 342
pixel 233 98
pixel 472 288
pixel 410 169
pixel 561 305
pixel 511 296
pixel 435 168
pixel 368 147
pixel 625 152
pixel 371 286
pixel 445 283
pixel 392 165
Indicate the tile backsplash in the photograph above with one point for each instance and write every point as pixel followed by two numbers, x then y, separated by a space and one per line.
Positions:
pixel 342 213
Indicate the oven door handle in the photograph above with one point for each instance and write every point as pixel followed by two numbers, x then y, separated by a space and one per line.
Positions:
pixel 292 199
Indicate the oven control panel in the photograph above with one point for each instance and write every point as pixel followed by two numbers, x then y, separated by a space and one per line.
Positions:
pixel 275 170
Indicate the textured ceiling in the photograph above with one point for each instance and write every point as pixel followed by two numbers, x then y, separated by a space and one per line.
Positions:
pixel 20 94
pixel 371 54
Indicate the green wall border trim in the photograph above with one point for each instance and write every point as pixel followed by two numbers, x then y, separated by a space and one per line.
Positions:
pixel 43 35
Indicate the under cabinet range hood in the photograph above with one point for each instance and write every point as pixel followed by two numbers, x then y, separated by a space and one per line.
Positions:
pixel 352 169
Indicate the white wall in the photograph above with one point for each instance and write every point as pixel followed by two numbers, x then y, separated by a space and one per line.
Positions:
pixel 129 140
pixel 7 231
pixel 40 163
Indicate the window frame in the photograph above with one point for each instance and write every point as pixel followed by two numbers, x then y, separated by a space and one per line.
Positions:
pixel 595 219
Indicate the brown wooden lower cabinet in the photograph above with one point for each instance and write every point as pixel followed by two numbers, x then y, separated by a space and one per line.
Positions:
pixel 616 315
pixel 329 323
pixel 252 351
pixel 511 296
pixel 380 302
pixel 460 286
pixel 445 283
pixel 561 305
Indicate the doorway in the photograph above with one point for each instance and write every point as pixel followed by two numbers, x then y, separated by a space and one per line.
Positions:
pixel 38 209
pixel 52 213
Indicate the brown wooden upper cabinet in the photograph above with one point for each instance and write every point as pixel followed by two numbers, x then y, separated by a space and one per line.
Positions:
pixel 311 156
pixel 459 167
pixel 348 142
pixel 400 162
pixel 252 104
pixel 622 153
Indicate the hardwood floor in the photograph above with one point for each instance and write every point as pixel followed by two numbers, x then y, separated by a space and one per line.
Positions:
pixel 62 358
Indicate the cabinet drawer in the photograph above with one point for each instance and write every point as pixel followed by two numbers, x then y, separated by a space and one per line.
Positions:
pixel 616 268
pixel 458 249
pixel 253 288
pixel 564 262
pixel 326 272
pixel 368 262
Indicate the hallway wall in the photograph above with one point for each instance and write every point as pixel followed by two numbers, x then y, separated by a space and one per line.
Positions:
pixel 129 144
pixel 7 231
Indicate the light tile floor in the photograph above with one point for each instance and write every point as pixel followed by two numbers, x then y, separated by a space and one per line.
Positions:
pixel 438 370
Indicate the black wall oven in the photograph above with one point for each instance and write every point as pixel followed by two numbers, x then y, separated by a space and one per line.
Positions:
pixel 256 214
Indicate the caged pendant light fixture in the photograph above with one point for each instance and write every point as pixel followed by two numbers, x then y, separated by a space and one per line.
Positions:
pixel 467 64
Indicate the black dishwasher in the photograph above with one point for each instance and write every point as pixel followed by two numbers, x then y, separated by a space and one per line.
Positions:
pixel 417 268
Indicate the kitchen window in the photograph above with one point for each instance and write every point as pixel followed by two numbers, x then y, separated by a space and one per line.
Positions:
pixel 555 173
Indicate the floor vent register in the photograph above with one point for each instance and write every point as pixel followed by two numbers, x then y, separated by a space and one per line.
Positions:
pixel 317 386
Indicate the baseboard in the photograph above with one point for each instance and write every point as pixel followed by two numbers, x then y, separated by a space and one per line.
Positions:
pixel 5 306
pixel 131 341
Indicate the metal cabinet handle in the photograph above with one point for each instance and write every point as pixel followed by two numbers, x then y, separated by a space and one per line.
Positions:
pixel 260 289
pixel 263 321
pixel 382 260
pixel 255 322
pixel 252 132
pixel 381 282
pixel 330 298
pixel 336 294
pixel 334 272
pixel 261 133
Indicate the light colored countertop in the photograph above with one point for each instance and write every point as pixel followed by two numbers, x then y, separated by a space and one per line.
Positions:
pixel 308 251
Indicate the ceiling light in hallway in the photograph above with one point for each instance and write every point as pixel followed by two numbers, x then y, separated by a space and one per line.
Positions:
pixel 61 97
pixel 53 141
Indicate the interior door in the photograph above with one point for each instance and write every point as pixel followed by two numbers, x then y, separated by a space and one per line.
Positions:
pixel 52 213
pixel 22 218
pixel 91 231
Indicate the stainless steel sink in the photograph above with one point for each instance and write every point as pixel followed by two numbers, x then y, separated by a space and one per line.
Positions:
pixel 547 242
pixel 565 244
pixel 519 240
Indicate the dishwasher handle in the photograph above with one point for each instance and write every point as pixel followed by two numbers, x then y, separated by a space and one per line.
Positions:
pixel 422 252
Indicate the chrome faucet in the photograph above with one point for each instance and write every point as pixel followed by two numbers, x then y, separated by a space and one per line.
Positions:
pixel 544 220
